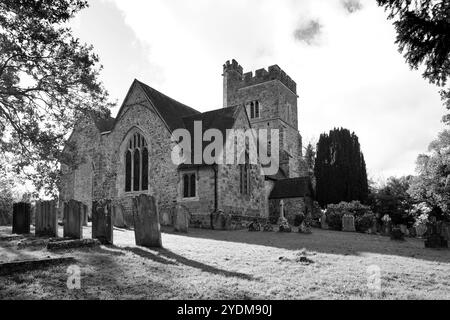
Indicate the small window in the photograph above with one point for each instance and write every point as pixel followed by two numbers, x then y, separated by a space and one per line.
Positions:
pixel 189 185
pixel 253 110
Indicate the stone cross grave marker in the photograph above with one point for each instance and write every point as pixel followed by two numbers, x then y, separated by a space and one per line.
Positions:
pixel 46 219
pixel 21 218
pixel 147 229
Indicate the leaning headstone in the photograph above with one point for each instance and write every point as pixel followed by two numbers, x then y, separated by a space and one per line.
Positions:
pixel 323 222
pixel 73 219
pixel 21 218
pixel 147 230
pixel 102 224
pixel 46 219
pixel 181 219
pixel 348 223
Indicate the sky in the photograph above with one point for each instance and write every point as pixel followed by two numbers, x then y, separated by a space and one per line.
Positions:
pixel 341 53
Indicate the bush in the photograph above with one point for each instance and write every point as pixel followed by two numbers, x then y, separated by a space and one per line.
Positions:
pixel 6 204
pixel 335 212
pixel 365 222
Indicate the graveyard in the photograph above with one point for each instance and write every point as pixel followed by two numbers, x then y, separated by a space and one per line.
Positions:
pixel 212 264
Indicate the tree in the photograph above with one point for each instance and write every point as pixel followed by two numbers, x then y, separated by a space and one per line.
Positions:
pixel 48 79
pixel 423 35
pixel 394 200
pixel 340 169
pixel 432 183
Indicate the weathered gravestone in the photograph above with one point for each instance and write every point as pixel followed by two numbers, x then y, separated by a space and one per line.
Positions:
pixel 118 218
pixel 73 219
pixel 46 219
pixel 323 222
pixel 166 218
pixel 21 218
pixel 102 224
pixel 348 223
pixel 421 229
pixel 221 221
pixel 147 230
pixel 181 219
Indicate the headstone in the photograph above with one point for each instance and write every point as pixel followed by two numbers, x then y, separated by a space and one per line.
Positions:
pixel 166 218
pixel 421 229
pixel 21 218
pixel 181 219
pixel 46 219
pixel 323 222
pixel 73 219
pixel 102 224
pixel 348 223
pixel 118 219
pixel 221 221
pixel 147 230
pixel 445 231
pixel 404 229
pixel 85 216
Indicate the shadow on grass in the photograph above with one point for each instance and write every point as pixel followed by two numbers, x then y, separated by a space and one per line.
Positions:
pixel 324 241
pixel 168 257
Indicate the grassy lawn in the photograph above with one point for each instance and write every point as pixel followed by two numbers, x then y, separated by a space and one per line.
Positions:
pixel 207 264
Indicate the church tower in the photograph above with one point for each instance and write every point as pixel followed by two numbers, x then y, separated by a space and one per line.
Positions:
pixel 270 98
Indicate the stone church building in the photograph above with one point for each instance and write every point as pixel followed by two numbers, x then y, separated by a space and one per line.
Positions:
pixel 120 158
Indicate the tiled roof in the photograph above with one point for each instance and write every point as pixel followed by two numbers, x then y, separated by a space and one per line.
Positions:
pixel 170 110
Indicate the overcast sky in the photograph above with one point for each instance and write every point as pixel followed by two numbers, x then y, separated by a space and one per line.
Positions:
pixel 342 55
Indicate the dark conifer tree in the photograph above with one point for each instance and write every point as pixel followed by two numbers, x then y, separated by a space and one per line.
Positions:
pixel 340 168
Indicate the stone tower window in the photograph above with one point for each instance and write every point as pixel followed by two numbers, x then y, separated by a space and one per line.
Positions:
pixel 136 164
pixel 245 174
pixel 253 109
pixel 189 185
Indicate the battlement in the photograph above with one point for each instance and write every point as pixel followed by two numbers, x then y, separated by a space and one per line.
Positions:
pixel 233 66
pixel 274 73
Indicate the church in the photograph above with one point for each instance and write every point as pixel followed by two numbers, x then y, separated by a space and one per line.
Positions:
pixel 120 158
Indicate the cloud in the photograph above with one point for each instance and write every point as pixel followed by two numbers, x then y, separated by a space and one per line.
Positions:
pixel 351 5
pixel 309 32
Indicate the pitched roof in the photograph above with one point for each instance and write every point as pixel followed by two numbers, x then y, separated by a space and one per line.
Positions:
pixel 221 119
pixel 170 110
pixel 292 188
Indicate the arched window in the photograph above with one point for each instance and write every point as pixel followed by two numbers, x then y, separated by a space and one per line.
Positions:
pixel 189 185
pixel 245 173
pixel 136 164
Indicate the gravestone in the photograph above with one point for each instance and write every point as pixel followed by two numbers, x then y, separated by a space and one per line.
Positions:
pixel 102 224
pixel 181 219
pixel 73 219
pixel 21 218
pixel 147 230
pixel 118 219
pixel 348 223
pixel 166 218
pixel 221 221
pixel 323 222
pixel 445 231
pixel 404 229
pixel 46 219
pixel 85 216
pixel 421 229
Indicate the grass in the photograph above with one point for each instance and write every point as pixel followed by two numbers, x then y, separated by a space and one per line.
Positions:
pixel 207 264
